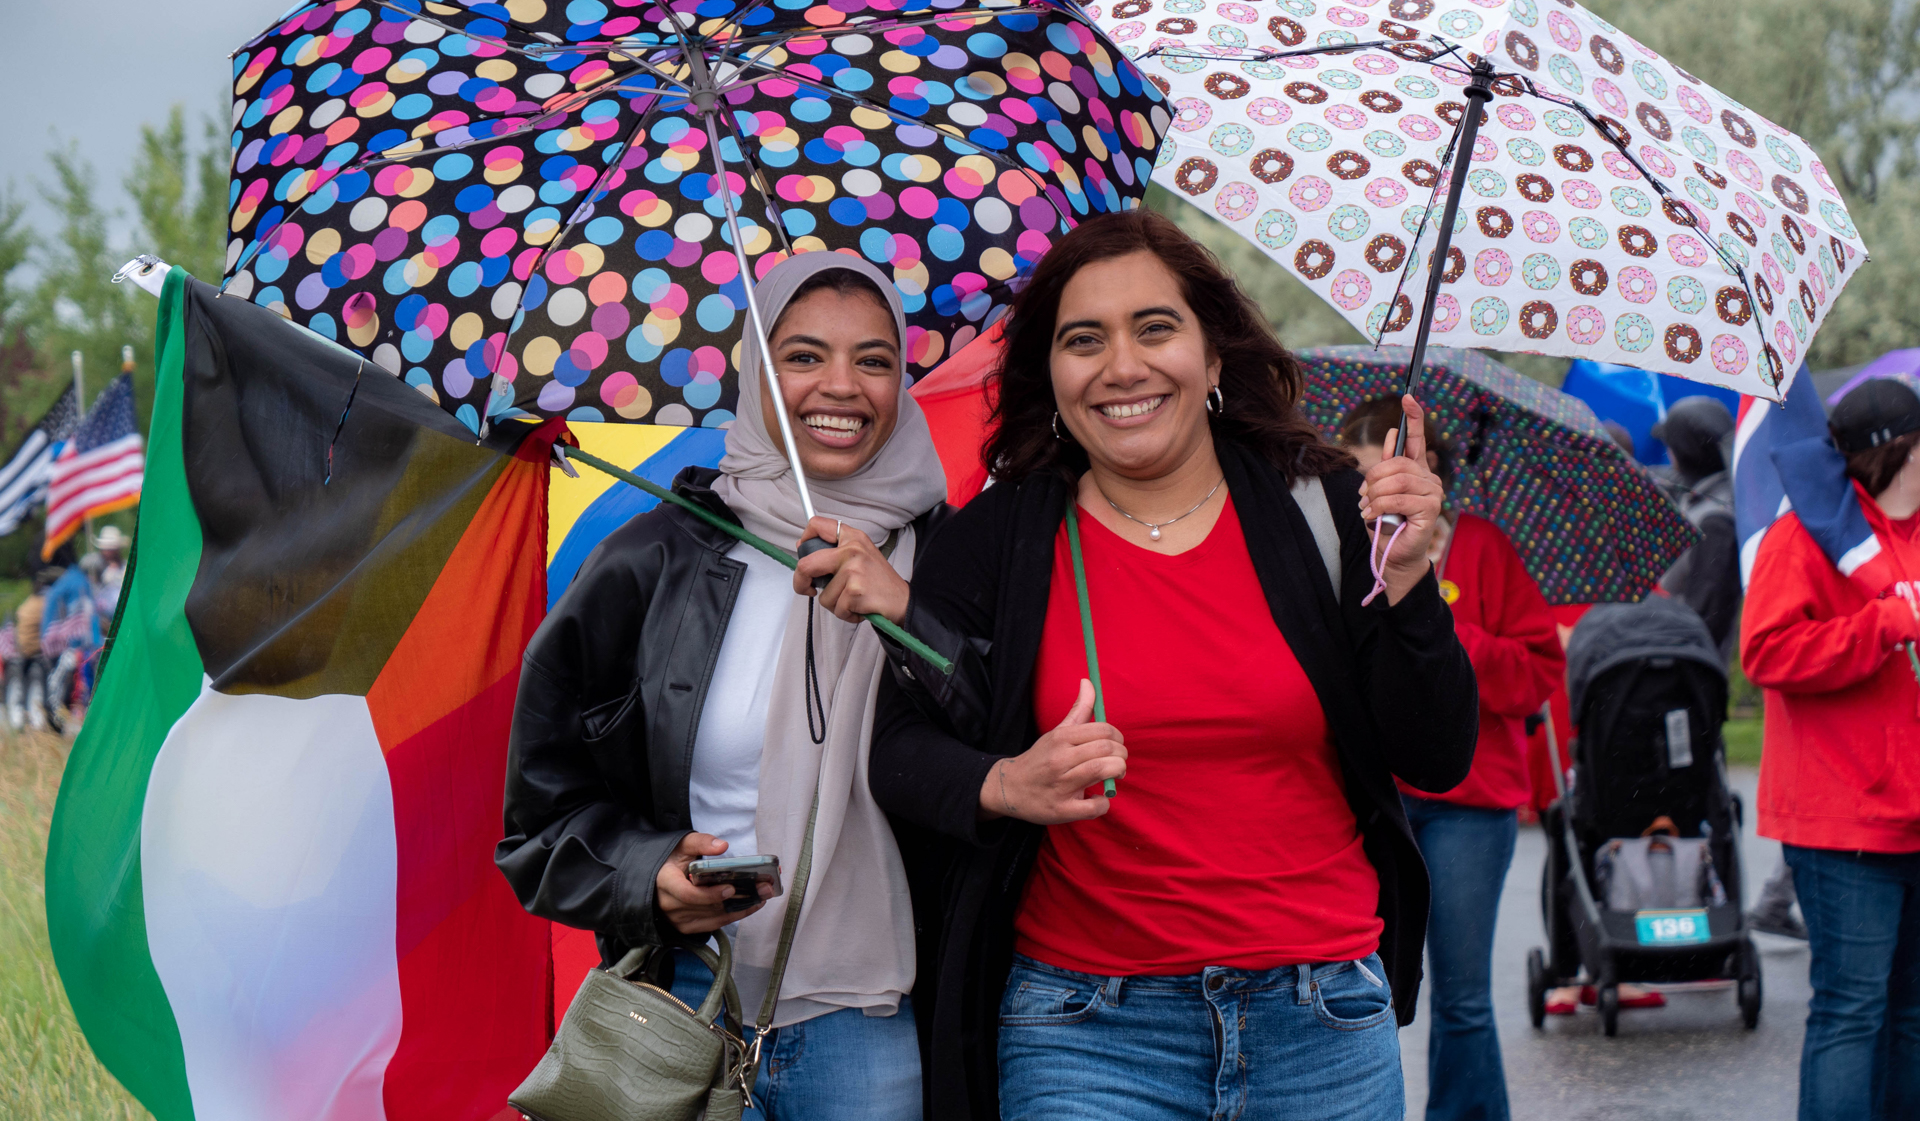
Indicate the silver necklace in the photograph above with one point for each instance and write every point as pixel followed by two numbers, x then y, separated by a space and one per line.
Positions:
pixel 1153 528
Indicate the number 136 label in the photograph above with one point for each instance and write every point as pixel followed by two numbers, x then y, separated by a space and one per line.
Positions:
pixel 1671 928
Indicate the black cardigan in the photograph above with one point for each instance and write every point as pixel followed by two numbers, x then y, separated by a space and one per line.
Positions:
pixel 1395 683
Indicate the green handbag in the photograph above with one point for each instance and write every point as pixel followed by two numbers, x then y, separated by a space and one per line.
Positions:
pixel 628 1050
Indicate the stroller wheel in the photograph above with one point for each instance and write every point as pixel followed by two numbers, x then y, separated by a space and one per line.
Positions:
pixel 1537 987
pixel 1749 988
pixel 1610 1010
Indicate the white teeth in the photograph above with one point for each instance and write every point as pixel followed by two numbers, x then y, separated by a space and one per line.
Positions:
pixel 1137 408
pixel 834 423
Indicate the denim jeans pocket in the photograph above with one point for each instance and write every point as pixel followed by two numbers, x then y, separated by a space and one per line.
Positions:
pixel 1354 998
pixel 1036 999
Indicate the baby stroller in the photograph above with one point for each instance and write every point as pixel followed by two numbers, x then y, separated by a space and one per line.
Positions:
pixel 1643 877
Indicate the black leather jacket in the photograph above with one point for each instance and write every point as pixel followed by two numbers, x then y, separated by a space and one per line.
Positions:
pixel 611 690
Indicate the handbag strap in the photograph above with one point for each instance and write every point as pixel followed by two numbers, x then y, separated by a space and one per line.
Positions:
pixel 796 896
pixel 1086 620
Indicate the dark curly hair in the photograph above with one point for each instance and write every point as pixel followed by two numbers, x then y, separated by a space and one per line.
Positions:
pixel 1259 378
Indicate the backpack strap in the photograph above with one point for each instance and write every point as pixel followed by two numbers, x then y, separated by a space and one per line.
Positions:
pixel 1311 496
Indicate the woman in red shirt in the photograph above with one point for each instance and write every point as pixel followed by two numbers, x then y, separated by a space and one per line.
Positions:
pixel 1235 932
pixel 1840 769
pixel 1467 834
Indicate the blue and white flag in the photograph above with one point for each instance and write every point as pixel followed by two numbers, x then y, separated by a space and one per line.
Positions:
pixel 1783 459
pixel 23 481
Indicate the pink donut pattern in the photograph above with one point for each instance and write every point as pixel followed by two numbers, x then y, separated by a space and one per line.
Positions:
pixel 1386 193
pixel 1236 202
pixel 1310 193
pixel 1350 289
pixel 1585 325
pixel 1492 267
pixel 1346 147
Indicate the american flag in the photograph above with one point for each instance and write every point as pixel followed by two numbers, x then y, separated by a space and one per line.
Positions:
pixel 100 469
pixel 23 481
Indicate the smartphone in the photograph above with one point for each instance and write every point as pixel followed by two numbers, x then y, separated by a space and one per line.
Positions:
pixel 744 873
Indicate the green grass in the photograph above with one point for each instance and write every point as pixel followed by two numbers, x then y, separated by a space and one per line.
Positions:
pixel 47 1071
pixel 1743 740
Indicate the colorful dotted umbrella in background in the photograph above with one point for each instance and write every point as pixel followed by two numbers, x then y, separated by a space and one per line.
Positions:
pixel 1590 525
pixel 515 205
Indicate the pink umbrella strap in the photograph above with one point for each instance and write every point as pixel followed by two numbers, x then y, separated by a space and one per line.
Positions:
pixel 1377 560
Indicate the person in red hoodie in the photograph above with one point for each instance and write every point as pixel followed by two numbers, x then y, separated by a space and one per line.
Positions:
pixel 1467 834
pixel 1840 769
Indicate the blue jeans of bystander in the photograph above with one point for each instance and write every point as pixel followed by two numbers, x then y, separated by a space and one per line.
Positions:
pixel 1467 850
pixel 1307 1042
pixel 843 1066
pixel 1861 1058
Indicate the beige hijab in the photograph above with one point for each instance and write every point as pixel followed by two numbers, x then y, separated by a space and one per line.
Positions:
pixel 854 945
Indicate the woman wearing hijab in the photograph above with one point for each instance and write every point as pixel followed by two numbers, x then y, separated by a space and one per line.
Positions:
pixel 663 713
pixel 1238 931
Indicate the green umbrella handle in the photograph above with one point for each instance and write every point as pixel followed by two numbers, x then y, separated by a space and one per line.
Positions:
pixel 880 623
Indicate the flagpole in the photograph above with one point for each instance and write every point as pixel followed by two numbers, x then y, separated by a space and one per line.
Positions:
pixel 80 409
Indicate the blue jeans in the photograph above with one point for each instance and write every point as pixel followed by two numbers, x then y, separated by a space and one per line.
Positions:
pixel 843 1066
pixel 1861 1059
pixel 1467 850
pixel 1312 1042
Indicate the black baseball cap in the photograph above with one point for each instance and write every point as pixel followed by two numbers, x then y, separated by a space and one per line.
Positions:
pixel 1878 411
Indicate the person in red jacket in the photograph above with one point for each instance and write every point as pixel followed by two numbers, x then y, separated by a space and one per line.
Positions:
pixel 1467 834
pixel 1840 769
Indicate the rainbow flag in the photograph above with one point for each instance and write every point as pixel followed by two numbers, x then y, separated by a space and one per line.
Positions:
pixel 271 892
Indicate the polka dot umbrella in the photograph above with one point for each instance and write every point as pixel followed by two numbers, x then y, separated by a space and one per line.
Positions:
pixel 1589 524
pixel 519 206
pixel 1604 204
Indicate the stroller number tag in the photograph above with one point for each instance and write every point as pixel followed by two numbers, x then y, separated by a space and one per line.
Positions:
pixel 1671 928
pixel 1679 739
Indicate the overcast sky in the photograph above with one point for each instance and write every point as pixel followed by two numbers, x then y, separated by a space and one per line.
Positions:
pixel 93 71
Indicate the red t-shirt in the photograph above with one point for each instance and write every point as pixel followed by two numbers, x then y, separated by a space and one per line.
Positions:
pixel 1231 841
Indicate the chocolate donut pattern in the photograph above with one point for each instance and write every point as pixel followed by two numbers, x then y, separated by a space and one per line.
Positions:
pixel 1385 253
pixel 1306 93
pixel 1682 342
pixel 1494 221
pixel 1573 157
pixel 1535 188
pixel 1538 320
pixel 1270 165
pixel 1288 32
pixel 1637 241
pixel 1732 306
pixel 1349 165
pixel 1380 101
pixel 1227 87
pixel 1420 173
pixel 1196 176
pixel 1588 277
pixel 1314 259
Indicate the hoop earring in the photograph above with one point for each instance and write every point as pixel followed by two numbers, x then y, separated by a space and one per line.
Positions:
pixel 1216 401
pixel 1056 426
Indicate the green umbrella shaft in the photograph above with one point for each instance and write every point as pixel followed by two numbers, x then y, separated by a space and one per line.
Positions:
pixel 880 623
pixel 1086 626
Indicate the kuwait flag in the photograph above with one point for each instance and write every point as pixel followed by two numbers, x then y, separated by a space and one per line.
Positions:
pixel 270 884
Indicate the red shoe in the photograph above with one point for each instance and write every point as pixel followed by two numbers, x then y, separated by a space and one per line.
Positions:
pixel 1563 1001
pixel 1631 996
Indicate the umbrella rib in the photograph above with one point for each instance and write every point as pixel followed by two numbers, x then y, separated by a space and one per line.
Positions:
pixel 1413 253
pixel 559 238
pixel 863 27
pixel 758 178
pixel 1660 188
pixel 997 157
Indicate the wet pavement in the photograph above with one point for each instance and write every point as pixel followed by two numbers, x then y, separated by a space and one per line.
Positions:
pixel 1689 1061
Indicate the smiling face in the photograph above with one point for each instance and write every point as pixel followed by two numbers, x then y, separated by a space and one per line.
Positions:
pixel 839 367
pixel 1131 367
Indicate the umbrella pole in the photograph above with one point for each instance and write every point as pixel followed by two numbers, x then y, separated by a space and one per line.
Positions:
pixel 1479 92
pixel 754 322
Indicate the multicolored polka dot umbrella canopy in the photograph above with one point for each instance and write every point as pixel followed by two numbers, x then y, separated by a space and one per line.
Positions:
pixel 517 206
pixel 1614 206
pixel 1589 524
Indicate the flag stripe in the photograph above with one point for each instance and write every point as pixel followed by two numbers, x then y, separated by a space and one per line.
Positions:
pixel 96 906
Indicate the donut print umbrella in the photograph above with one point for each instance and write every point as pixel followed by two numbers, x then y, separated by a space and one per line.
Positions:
pixel 517 206
pixel 1604 203
pixel 1590 525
